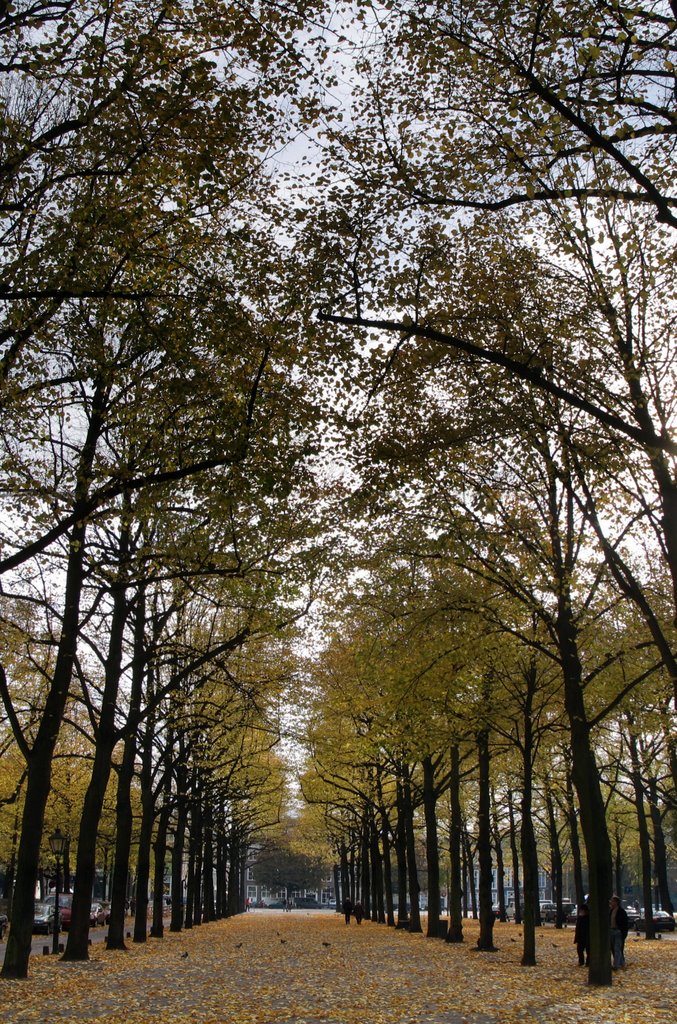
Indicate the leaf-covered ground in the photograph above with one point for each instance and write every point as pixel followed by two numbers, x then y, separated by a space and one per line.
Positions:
pixel 305 968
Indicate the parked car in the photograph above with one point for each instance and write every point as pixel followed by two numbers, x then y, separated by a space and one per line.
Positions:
pixel 43 918
pixel 65 908
pixel 546 908
pixel 549 915
pixel 97 915
pixel 3 925
pixel 662 922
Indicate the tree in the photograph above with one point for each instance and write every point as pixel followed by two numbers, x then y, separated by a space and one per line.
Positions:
pixel 130 171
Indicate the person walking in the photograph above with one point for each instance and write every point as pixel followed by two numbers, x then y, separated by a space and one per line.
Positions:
pixel 347 909
pixel 358 911
pixel 618 924
pixel 582 935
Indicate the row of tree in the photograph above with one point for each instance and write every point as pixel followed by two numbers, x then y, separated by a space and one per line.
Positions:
pixel 157 523
pixel 504 249
pixel 471 445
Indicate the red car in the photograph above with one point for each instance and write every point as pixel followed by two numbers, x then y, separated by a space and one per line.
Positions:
pixel 65 908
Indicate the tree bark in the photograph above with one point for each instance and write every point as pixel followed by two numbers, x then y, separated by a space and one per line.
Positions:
pixel 387 868
pixel 660 854
pixel 456 887
pixel 555 859
pixel 431 847
pixel 575 843
pixel 77 946
pixel 514 854
pixel 181 770
pixel 401 854
pixel 643 830
pixel 500 866
pixel 527 835
pixel 486 936
pixel 410 835
pixel 39 757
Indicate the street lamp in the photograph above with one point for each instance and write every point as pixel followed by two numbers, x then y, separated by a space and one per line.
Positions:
pixel 57 844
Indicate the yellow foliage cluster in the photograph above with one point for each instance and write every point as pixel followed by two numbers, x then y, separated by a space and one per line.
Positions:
pixel 305 968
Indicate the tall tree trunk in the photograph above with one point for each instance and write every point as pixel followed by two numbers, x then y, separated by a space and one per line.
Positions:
pixel 157 929
pixel 414 887
pixel 387 868
pixel 77 946
pixel 376 859
pixel 221 905
pixel 514 854
pixel 146 785
pixel 190 872
pixel 401 853
pixel 575 844
pixel 39 769
pixel 618 859
pixel 500 866
pixel 556 872
pixel 336 874
pixel 181 770
pixel 643 830
pixel 660 855
pixel 527 835
pixel 143 860
pixel 39 756
pixel 345 877
pixel 234 873
pixel 123 804
pixel 470 872
pixel 196 834
pixel 208 864
pixel 432 851
pixel 365 877
pixel 585 777
pixel 486 936
pixel 456 887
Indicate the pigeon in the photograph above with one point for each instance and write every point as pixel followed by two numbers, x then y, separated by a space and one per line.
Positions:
pixel 184 956
pixel 238 945
pixel 283 941
pixel 326 943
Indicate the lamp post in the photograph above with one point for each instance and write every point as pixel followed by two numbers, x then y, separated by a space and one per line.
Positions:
pixel 57 844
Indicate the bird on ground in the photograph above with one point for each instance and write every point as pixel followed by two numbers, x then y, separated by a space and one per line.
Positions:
pixel 326 943
pixel 184 956
pixel 238 945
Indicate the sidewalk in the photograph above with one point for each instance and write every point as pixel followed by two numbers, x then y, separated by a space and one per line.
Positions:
pixel 309 968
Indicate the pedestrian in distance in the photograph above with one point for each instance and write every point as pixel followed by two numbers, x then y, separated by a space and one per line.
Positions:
pixel 347 909
pixel 582 935
pixel 618 925
pixel 358 911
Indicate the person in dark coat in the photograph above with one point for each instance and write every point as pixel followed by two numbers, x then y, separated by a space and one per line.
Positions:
pixel 358 911
pixel 582 935
pixel 618 924
pixel 347 909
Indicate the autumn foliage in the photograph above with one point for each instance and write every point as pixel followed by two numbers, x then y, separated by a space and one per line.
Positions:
pixel 304 967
